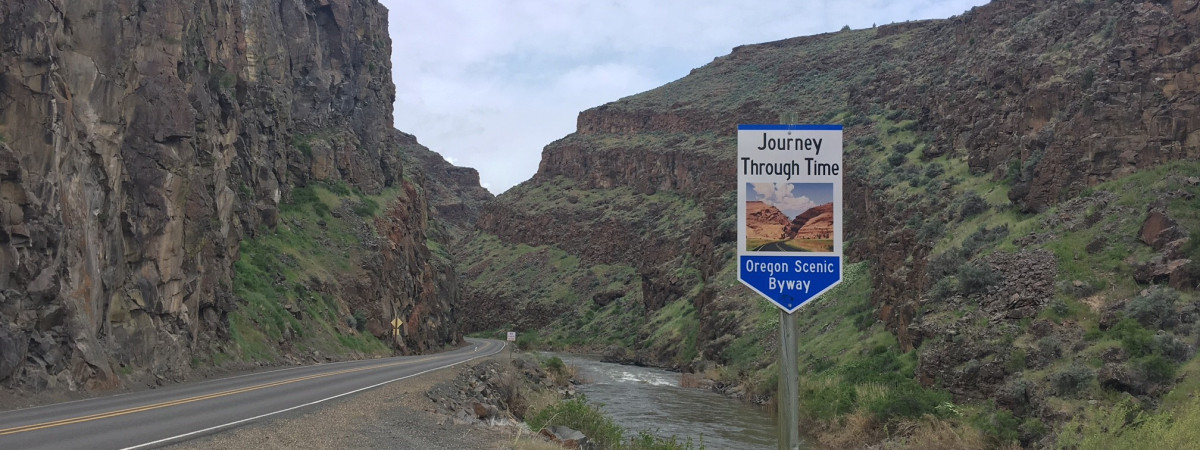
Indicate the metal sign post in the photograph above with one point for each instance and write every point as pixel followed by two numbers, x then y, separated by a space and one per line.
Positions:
pixel 789 233
pixel 396 329
pixel 789 383
pixel 512 337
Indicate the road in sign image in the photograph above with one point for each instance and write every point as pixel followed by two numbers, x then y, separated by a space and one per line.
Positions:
pixel 790 221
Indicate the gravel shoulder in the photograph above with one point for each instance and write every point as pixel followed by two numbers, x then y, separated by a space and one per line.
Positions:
pixel 393 416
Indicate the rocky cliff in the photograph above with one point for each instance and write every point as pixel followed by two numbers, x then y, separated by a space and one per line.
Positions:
pixel 765 222
pixel 816 223
pixel 141 144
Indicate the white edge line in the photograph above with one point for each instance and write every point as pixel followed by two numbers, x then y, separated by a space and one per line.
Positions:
pixel 230 424
pixel 185 384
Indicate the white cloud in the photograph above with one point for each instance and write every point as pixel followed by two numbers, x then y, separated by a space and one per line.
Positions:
pixel 489 83
pixel 782 196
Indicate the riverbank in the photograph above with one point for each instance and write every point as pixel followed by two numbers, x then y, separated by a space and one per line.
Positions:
pixel 483 405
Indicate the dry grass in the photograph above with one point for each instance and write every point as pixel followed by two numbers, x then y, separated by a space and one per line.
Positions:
pixel 857 430
pixel 564 375
pixel 936 434
pixel 860 430
pixel 691 381
pixel 529 401
pixel 533 442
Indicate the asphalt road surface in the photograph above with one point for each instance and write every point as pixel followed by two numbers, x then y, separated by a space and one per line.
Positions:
pixel 158 417
pixel 774 247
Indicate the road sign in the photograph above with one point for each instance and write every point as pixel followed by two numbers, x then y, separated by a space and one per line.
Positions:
pixel 397 322
pixel 790 211
pixel 512 336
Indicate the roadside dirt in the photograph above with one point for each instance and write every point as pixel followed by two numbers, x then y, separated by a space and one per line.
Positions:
pixel 394 416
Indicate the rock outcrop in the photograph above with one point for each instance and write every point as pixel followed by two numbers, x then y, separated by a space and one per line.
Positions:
pixel 140 144
pixel 816 223
pixel 454 192
pixel 764 221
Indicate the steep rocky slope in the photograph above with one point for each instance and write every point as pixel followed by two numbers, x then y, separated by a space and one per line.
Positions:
pixel 1000 164
pixel 765 222
pixel 816 223
pixel 144 147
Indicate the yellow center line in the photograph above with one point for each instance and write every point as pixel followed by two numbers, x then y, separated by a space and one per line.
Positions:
pixel 137 409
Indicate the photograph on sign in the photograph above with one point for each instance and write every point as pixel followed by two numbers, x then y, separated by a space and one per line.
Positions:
pixel 789 217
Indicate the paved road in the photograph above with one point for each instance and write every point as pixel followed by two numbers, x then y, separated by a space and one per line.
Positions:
pixel 774 247
pixel 184 411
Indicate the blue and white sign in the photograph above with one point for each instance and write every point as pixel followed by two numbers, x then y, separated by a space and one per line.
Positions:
pixel 790 215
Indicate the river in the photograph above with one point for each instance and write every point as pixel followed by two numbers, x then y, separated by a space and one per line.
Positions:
pixel 641 398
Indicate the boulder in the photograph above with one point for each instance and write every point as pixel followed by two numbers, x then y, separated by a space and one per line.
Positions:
pixel 1120 377
pixel 1159 229
pixel 566 437
pixel 1159 270
pixel 12 351
pixel 485 411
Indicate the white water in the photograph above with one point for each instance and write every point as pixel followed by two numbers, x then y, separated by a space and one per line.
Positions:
pixel 646 399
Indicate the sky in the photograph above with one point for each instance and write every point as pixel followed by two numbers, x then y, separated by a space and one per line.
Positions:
pixel 792 199
pixel 489 83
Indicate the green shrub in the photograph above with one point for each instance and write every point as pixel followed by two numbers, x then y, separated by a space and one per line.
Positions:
pixel 360 320
pixel 1031 430
pixel 554 363
pixel 1050 345
pixel 321 209
pixel 903 148
pixel 1089 76
pixel 303 142
pixel 1073 379
pixel 829 402
pixel 972 205
pixel 945 264
pixel 1013 174
pixel 528 341
pixel 931 231
pixel 998 425
pixel 896 159
pixel 981 238
pixel 1127 426
pixel 1017 360
pixel 907 400
pixel 975 278
pixel 339 187
pixel 943 289
pixel 934 170
pixel 366 207
pixel 1156 309
pixel 1172 348
pixel 1157 369
pixel 577 414
pixel 869 140
pixel 1136 340
pixel 304 195
pixel 1059 307
pixel 881 365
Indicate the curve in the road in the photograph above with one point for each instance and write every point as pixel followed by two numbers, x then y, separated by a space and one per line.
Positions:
pixel 249 399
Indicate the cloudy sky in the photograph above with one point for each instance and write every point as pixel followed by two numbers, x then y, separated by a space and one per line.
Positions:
pixel 488 83
pixel 792 199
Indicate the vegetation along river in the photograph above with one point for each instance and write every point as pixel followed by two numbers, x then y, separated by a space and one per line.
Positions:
pixel 641 398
